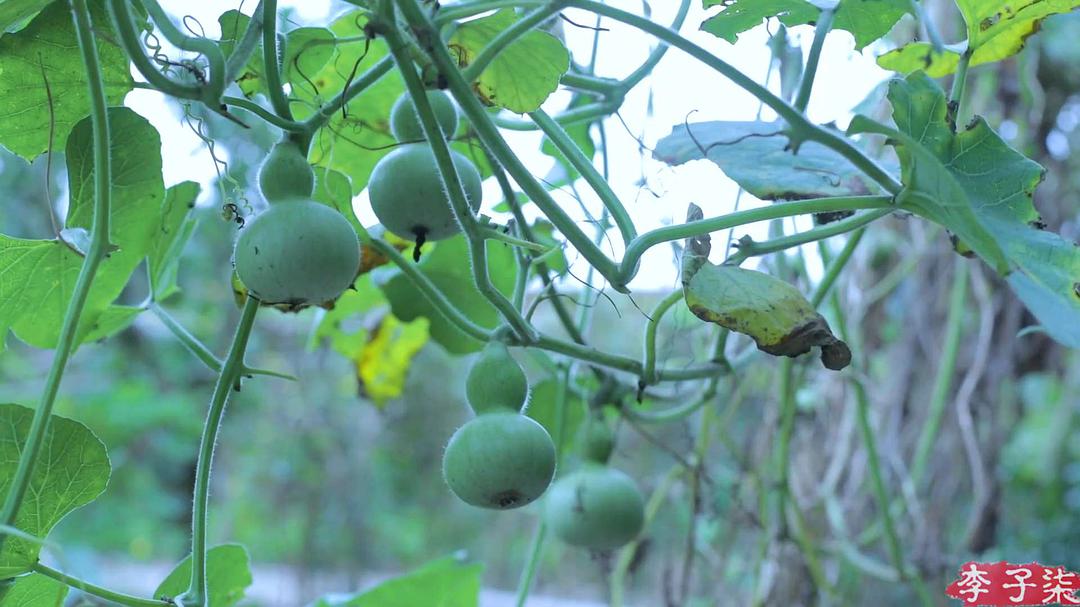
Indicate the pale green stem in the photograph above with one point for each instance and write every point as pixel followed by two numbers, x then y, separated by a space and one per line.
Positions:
pixel 98 591
pixel 196 595
pixel 245 47
pixel 824 24
pixel 577 159
pixel 754 249
pixel 128 36
pixel 204 46
pixel 642 243
pixel 282 123
pixel 657 53
pixel 493 140
pixel 272 62
pixel 200 351
pixel 648 364
pixel 946 369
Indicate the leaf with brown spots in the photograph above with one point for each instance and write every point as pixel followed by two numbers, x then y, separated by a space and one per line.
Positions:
pixel 996 30
pixel 775 314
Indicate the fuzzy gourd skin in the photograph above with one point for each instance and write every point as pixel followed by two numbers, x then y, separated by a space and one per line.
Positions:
pixel 297 252
pixel 596 507
pixel 285 174
pixel 408 197
pixel 495 381
pixel 405 124
pixel 499 461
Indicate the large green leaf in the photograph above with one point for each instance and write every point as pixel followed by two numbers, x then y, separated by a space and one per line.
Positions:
pixel 43 88
pixel 446 582
pixel 520 77
pixel 447 265
pixel 755 155
pixel 34 590
pixel 775 314
pixel 175 227
pixel 14 12
pixel 979 188
pixel 72 470
pixel 867 20
pixel 227 576
pixel 38 276
pixel 996 29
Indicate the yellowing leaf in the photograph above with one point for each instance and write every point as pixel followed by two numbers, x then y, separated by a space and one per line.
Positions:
pixel 522 76
pixel 996 29
pixel 384 362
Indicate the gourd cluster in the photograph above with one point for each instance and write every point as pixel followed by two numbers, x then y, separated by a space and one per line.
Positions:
pixel 503 459
pixel 300 252
pixel 297 252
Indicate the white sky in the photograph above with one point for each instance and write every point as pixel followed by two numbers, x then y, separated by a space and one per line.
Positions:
pixel 679 86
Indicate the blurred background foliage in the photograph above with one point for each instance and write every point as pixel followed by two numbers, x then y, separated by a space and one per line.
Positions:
pixel 311 476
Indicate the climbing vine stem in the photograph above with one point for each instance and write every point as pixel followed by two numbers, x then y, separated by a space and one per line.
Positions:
pixel 196 595
pixel 99 245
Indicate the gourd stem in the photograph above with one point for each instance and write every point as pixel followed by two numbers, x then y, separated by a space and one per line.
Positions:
pixel 196 595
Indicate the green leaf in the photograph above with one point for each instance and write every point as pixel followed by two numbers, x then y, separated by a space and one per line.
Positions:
pixel 227 576
pixel 72 470
pixel 39 275
pixel 755 155
pixel 775 314
pixel 351 143
pixel 175 227
pixel 34 590
pixel 307 50
pixel 14 13
pixel 446 582
pixel 522 76
pixel 867 20
pixel 979 188
pixel 344 326
pixel 996 29
pixel 448 268
pixel 542 404
pixel 233 24
pixel 46 51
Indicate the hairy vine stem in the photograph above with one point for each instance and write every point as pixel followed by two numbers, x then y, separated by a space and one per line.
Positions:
pixel 824 24
pixel 638 246
pixel 245 47
pixel 96 252
pixel 215 86
pixel 98 591
pixel 124 23
pixel 196 595
pixel 272 61
pixel 583 165
pixel 491 138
